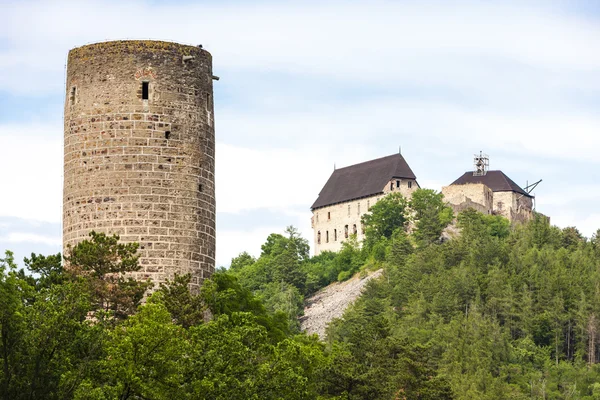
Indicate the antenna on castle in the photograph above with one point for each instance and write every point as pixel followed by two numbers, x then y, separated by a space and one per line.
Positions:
pixel 481 163
pixel 399 149
pixel 334 166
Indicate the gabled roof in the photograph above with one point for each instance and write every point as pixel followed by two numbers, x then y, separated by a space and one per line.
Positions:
pixel 362 180
pixel 495 180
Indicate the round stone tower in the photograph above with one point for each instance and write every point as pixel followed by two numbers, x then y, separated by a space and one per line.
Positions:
pixel 139 156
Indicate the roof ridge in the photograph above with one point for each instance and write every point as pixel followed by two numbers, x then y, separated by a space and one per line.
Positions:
pixel 368 161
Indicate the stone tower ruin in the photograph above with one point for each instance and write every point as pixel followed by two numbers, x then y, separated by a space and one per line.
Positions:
pixel 139 153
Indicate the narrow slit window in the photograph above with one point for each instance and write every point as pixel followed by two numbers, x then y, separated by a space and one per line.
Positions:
pixel 326 236
pixel 335 235
pixel 409 184
pixel 145 90
pixel 73 94
pixel 397 184
pixel 167 134
pixel 208 101
pixel 319 237
pixel 200 187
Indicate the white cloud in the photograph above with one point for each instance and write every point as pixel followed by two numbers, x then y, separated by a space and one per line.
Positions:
pixel 372 43
pixel 31 165
pixel 25 237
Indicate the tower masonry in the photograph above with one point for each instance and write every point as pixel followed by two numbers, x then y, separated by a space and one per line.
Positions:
pixel 139 153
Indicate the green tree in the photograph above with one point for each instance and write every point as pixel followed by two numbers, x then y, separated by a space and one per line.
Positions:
pixel 104 264
pixel 431 215
pixel 384 217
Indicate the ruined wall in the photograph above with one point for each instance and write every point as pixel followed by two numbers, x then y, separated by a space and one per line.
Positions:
pixel 142 168
pixel 514 206
pixel 474 195
pixel 331 223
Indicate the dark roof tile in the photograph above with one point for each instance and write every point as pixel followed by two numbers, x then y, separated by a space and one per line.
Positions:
pixel 495 180
pixel 362 180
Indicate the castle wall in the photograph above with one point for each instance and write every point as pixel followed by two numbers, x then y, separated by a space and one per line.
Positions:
pixel 475 195
pixel 514 206
pixel 511 205
pixel 330 224
pixel 142 168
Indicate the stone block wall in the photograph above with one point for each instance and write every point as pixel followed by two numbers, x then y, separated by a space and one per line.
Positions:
pixel 139 151
pixel 474 195
pixel 331 223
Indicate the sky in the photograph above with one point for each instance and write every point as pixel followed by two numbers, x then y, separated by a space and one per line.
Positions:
pixel 311 84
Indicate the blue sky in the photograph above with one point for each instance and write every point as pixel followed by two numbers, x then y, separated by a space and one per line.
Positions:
pixel 308 84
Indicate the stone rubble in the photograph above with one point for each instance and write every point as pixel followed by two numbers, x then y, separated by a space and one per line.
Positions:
pixel 331 302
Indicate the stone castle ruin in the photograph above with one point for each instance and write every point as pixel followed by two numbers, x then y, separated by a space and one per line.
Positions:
pixel 351 191
pixel 489 192
pixel 139 153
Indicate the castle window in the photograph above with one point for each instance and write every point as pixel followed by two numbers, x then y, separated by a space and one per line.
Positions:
pixel 200 187
pixel 397 184
pixel 145 90
pixel 346 231
pixel 326 236
pixel 167 134
pixel 73 94
pixel 409 184
pixel 207 101
pixel 354 231
pixel 328 215
pixel 335 235
pixel 319 237
pixel 391 185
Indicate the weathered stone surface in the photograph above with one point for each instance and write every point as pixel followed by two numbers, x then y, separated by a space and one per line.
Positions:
pixel 333 224
pixel 331 302
pixel 142 168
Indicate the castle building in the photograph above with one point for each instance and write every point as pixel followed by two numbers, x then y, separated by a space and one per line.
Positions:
pixel 350 192
pixel 139 153
pixel 490 192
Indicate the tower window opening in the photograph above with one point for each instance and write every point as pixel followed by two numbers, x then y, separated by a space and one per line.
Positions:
pixel 391 185
pixel 145 90
pixel 409 184
pixel 397 184
pixel 319 237
pixel 335 235
pixel 354 230
pixel 208 101
pixel 346 231
pixel 73 94
pixel 167 134
pixel 200 187
pixel 328 215
pixel 326 236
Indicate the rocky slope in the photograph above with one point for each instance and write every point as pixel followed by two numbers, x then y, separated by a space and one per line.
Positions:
pixel 331 301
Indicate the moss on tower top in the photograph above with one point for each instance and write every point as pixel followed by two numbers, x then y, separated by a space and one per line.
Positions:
pixel 136 46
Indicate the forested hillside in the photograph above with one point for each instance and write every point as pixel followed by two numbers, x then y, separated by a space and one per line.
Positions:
pixel 494 313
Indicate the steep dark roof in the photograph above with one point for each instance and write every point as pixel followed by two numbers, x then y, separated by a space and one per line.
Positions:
pixel 495 180
pixel 361 180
